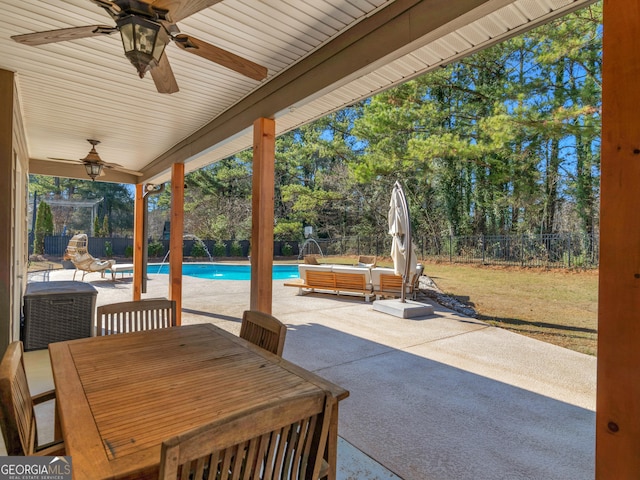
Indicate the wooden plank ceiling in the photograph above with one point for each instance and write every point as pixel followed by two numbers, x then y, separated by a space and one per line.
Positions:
pixel 321 55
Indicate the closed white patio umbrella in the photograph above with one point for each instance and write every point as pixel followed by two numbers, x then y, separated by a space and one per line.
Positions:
pixel 404 258
pixel 402 251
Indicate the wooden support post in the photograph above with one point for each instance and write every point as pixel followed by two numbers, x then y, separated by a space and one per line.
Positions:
pixel 175 241
pixel 264 141
pixel 618 393
pixel 138 242
pixel 7 219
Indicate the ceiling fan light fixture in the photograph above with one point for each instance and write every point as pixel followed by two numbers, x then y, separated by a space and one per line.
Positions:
pixel 143 41
pixel 93 170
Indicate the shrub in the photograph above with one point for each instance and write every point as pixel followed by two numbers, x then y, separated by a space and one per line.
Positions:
pixel 236 249
pixel 287 250
pixel 155 249
pixel 108 249
pixel 219 249
pixel 128 251
pixel 198 250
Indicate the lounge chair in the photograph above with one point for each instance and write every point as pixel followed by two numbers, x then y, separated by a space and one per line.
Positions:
pixel 77 252
pixel 333 278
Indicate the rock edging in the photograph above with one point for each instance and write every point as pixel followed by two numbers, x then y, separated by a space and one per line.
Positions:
pixel 429 289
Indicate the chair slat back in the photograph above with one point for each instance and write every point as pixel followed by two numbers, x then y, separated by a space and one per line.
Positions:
pixel 367 260
pixel 285 439
pixel 134 316
pixel 390 282
pixel 18 418
pixel 311 260
pixel 263 330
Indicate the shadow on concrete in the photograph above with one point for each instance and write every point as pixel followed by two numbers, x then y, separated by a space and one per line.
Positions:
pixel 202 313
pixel 553 326
pixel 424 419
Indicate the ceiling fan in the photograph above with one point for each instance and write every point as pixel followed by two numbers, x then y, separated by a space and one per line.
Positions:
pixel 146 27
pixel 95 165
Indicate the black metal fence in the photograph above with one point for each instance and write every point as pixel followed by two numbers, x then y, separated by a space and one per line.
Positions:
pixel 55 245
pixel 563 250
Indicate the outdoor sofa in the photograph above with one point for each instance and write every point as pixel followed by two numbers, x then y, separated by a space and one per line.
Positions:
pixel 360 280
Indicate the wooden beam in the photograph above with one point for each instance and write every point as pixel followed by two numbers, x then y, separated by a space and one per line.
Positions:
pixel 138 241
pixel 6 207
pixel 264 145
pixel 618 392
pixel 175 238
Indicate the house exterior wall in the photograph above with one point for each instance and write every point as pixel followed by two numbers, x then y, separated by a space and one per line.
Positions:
pixel 14 169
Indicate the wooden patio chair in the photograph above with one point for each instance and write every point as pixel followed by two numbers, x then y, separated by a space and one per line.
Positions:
pixel 81 258
pixel 311 260
pixel 285 439
pixel 263 330
pixel 18 420
pixel 367 261
pixel 134 316
pixel 391 284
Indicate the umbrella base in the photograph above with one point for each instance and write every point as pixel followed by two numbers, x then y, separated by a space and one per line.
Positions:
pixel 408 309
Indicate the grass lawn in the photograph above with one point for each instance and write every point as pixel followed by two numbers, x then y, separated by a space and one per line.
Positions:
pixel 555 306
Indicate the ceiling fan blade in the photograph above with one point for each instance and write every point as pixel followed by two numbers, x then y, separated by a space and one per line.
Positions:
pixel 73 33
pixel 163 77
pixel 64 160
pixel 120 168
pixel 180 9
pixel 222 57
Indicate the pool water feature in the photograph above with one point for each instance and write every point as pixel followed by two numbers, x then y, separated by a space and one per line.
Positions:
pixel 224 271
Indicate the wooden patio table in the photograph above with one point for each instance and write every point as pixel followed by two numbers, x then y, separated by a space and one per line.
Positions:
pixel 121 396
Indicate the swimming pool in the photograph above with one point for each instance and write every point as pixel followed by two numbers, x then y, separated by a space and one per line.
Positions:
pixel 224 271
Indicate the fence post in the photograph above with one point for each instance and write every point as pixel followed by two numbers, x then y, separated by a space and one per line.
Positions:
pixel 483 246
pixel 522 250
pixel 569 238
pixel 450 248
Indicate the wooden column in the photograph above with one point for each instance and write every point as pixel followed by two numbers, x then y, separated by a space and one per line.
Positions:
pixel 6 208
pixel 138 241
pixel 175 241
pixel 618 394
pixel 264 138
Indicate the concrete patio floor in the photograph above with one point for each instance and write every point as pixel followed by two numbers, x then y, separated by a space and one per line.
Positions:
pixel 443 397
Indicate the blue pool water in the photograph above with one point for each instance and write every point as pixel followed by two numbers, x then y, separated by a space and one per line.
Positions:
pixel 221 271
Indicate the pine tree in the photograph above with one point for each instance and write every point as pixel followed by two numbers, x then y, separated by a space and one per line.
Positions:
pixel 44 226
pixel 105 227
pixel 97 231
